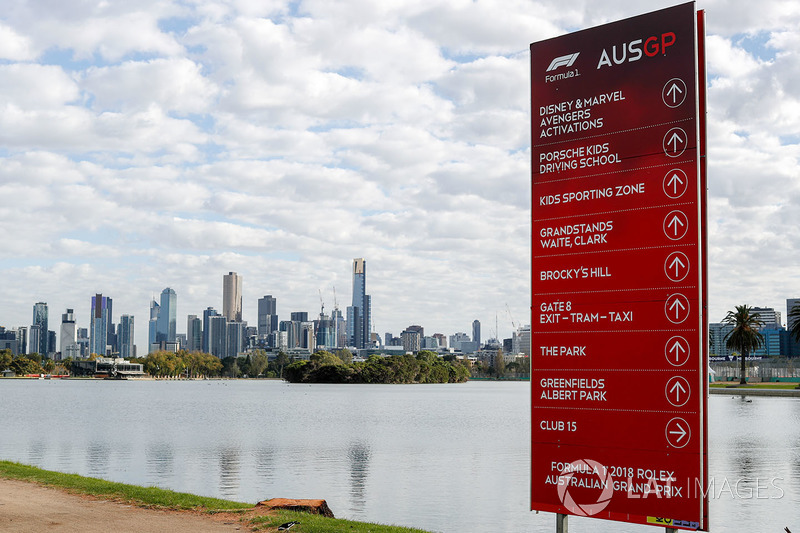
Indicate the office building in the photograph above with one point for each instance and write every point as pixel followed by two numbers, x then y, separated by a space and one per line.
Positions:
pixel 770 318
pixel 167 320
pixel 359 314
pixel 412 340
pixel 125 337
pixel 194 334
pixel 40 345
pixel 476 332
pixel 207 314
pixel 217 336
pixel 69 336
pixel 232 297
pixel 267 316
pixel 152 326
pixel 235 338
pixel 98 325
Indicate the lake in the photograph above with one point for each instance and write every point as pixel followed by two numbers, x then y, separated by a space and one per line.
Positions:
pixel 450 458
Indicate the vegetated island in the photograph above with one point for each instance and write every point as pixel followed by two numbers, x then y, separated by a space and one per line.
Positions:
pixel 425 367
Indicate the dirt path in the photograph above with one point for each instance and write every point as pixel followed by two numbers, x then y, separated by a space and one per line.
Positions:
pixel 28 507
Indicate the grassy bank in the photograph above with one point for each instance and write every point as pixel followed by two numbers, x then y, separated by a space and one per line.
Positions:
pixel 167 499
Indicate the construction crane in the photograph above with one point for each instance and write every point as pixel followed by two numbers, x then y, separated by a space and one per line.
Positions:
pixel 513 324
pixel 321 304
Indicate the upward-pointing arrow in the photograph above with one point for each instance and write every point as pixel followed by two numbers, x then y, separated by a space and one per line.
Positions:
pixel 677 348
pixel 674 91
pixel 680 389
pixel 676 221
pixel 674 182
pixel 677 264
pixel 675 141
pixel 677 306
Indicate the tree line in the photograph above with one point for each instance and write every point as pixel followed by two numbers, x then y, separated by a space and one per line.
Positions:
pixel 425 367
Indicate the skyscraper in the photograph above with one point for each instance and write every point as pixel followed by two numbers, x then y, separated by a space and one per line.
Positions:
pixel 359 313
pixel 207 314
pixel 125 337
pixel 152 331
pixel 217 336
pixel 267 316
pixel 40 319
pixel 69 335
pixel 98 325
pixel 166 325
pixel 194 334
pixel 476 332
pixel 232 297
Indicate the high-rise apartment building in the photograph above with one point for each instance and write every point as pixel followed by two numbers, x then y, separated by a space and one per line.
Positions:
pixel 42 339
pixel 125 337
pixel 166 323
pixel 232 297
pixel 217 335
pixel 69 336
pixel 359 314
pixel 152 326
pixel 267 316
pixel 194 334
pixel 207 314
pixel 476 332
pixel 98 325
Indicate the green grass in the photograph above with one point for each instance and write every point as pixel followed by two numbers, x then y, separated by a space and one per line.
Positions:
pixel 167 499
pixel 310 523
pixel 145 496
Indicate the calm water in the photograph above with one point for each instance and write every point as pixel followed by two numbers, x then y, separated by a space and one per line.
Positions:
pixel 450 458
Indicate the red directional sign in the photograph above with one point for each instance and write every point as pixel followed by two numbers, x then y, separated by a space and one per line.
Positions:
pixel 618 360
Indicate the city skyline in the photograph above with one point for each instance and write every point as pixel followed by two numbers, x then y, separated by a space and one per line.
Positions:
pixel 162 144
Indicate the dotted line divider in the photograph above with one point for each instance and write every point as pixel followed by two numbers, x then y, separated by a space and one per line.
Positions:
pixel 616 410
pixel 614 212
pixel 671 288
pixel 640 128
pixel 636 249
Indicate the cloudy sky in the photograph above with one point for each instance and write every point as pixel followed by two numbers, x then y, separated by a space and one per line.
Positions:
pixel 160 143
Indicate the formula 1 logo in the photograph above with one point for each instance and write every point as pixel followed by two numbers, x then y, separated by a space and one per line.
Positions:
pixel 563 61
pixel 590 468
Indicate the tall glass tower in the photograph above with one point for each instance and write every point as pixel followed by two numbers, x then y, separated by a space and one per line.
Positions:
pixel 40 319
pixel 98 334
pixel 126 336
pixel 167 316
pixel 267 316
pixel 232 297
pixel 359 313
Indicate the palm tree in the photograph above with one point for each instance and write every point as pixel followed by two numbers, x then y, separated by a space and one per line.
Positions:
pixel 794 322
pixel 745 335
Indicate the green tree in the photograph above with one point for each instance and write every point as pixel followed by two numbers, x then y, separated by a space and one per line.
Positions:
pixel 6 357
pixel 49 365
pixel 22 366
pixel 744 336
pixel 499 363
pixel 345 355
pixel 258 363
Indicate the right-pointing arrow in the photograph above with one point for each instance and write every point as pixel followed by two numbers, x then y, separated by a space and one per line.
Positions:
pixel 681 432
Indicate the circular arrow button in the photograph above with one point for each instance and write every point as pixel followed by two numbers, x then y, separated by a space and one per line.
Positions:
pixel 677 391
pixel 678 432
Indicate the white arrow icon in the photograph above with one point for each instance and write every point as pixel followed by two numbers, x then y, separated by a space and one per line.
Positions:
pixel 674 91
pixel 675 183
pixel 677 351
pixel 675 225
pixel 677 391
pixel 676 308
pixel 681 432
pixel 677 264
pixel 675 142
pixel 676 267
pixel 678 432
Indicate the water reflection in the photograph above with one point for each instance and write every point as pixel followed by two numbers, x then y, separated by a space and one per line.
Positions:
pixel 229 470
pixel 37 450
pixel 359 455
pixel 98 457
pixel 160 461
